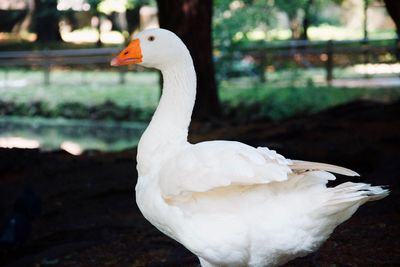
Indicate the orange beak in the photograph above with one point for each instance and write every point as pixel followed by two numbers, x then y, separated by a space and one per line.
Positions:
pixel 132 54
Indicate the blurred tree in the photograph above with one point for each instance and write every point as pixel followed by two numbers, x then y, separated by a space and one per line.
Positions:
pixel 191 20
pixel 235 23
pixel 393 8
pixel 26 24
pixel 133 14
pixel 11 20
pixel 46 19
pixel 307 18
pixel 234 19
pixel 291 9
pixel 302 13
pixel 94 9
pixel 70 16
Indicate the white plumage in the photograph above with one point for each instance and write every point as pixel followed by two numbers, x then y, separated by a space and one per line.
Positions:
pixel 229 203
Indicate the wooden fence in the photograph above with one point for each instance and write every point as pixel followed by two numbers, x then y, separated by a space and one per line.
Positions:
pixel 326 54
pixel 48 58
pixel 305 54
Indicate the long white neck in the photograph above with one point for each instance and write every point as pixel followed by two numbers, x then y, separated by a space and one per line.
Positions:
pixel 172 117
pixel 173 114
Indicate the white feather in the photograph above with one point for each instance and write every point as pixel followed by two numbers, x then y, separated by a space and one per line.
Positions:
pixel 227 202
pixel 209 165
pixel 300 165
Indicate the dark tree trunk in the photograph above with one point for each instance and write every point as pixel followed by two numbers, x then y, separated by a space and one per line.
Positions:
pixel 365 19
pixel 307 19
pixel 46 18
pixel 99 43
pixel 191 21
pixel 70 16
pixel 133 18
pixel 393 8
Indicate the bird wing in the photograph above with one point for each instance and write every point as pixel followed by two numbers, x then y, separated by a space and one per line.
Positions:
pixel 214 164
pixel 208 165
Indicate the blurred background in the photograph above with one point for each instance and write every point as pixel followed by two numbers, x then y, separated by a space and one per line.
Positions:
pixel 274 59
pixel 316 80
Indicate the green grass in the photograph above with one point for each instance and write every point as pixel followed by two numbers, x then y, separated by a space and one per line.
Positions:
pixel 78 92
pixel 89 88
pixel 281 103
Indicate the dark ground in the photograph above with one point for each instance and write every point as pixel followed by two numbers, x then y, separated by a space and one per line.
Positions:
pixel 89 217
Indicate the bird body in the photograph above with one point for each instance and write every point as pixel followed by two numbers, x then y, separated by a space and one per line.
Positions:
pixel 229 203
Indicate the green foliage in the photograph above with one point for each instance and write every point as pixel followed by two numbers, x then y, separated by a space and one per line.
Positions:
pixel 291 8
pixel 94 7
pixel 107 111
pixel 97 95
pixel 301 12
pixel 47 8
pixel 287 102
pixel 81 94
pixel 238 17
pixel 234 20
pixel 131 4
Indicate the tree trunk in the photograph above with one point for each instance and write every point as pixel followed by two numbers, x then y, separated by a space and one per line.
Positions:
pixel 393 8
pixel 98 27
pixel 24 26
pixel 307 19
pixel 365 19
pixel 191 21
pixel 46 19
pixel 133 18
pixel 295 28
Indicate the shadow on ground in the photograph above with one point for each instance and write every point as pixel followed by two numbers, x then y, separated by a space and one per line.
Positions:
pixel 89 216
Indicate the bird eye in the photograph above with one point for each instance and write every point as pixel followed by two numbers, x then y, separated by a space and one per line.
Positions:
pixel 151 38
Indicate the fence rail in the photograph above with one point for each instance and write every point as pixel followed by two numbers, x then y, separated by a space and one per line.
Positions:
pixel 48 58
pixel 328 54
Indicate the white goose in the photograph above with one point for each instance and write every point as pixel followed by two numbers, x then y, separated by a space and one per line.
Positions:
pixel 229 203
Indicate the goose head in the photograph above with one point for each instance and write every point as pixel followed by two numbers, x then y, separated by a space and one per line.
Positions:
pixel 154 48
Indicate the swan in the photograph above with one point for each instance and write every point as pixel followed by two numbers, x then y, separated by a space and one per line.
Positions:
pixel 228 203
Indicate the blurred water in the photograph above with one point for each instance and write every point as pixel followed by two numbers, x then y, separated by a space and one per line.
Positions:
pixel 74 136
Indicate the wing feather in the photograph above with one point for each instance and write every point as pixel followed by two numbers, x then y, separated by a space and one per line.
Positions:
pixel 301 166
pixel 208 165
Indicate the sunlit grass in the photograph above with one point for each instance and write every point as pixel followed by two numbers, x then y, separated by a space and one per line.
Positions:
pixel 285 94
pixel 330 32
pixel 324 32
pixel 141 90
pixel 281 103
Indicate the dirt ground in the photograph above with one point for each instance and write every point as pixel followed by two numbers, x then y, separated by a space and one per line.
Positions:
pixel 89 217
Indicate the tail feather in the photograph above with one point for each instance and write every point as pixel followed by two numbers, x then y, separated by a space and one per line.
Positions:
pixel 346 198
pixel 356 192
pixel 302 166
